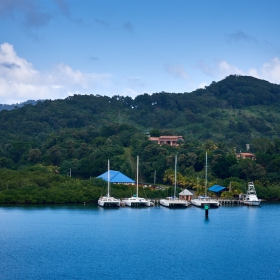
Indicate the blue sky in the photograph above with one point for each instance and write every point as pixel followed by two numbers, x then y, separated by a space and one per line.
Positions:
pixel 51 49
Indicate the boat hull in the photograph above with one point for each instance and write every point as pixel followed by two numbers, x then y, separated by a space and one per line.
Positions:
pixel 201 203
pixel 252 203
pixel 137 202
pixel 109 202
pixel 173 203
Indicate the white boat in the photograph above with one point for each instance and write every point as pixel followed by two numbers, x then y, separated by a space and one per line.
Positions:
pixel 251 198
pixel 174 202
pixel 136 201
pixel 108 201
pixel 200 201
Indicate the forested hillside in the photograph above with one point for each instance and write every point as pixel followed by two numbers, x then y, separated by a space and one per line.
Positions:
pixel 83 132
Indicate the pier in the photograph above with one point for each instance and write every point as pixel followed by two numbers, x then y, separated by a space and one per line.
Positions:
pixel 230 201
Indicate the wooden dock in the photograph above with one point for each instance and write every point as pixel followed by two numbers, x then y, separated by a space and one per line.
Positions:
pixel 230 201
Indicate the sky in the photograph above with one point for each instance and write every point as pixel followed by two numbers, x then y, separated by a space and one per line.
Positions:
pixel 52 49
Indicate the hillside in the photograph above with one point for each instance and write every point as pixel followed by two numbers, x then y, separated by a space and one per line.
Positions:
pixel 234 111
pixel 82 132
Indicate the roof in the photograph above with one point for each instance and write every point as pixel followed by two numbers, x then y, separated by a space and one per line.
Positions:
pixel 154 138
pixel 170 137
pixel 116 177
pixel 216 188
pixel 185 192
pixel 246 154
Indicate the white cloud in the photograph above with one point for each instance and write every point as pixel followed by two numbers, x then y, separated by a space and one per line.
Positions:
pixel 131 92
pixel 220 70
pixel 271 70
pixel 177 70
pixel 20 81
pixel 225 69
pixel 202 85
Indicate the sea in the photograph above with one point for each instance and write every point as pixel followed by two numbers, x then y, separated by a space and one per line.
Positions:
pixel 90 242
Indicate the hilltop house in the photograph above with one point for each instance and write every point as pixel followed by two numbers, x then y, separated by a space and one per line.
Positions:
pixel 245 155
pixel 167 140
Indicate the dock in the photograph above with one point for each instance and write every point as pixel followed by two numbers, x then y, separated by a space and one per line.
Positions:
pixel 230 201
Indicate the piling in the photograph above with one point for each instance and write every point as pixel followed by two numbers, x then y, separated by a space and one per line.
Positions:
pixel 206 208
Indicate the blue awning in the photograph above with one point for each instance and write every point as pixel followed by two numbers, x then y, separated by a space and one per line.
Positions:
pixel 116 177
pixel 216 188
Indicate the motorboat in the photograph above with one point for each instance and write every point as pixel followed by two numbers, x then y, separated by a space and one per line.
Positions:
pixel 136 201
pixel 108 201
pixel 201 201
pixel 173 201
pixel 251 198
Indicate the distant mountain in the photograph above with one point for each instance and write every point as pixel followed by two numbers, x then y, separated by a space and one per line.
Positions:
pixel 17 105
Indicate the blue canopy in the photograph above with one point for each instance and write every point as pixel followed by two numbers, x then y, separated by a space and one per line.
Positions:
pixel 116 177
pixel 216 188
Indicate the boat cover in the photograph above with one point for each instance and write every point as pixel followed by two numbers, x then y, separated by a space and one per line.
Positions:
pixel 216 188
pixel 116 177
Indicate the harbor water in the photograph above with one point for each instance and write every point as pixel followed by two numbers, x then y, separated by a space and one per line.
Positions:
pixel 89 242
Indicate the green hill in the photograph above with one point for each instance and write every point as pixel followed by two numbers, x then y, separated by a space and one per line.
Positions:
pixel 82 131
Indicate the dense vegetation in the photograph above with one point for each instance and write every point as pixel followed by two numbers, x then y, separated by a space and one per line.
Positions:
pixel 40 143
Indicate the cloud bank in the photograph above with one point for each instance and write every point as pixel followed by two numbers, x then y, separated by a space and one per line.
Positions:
pixel 269 71
pixel 19 81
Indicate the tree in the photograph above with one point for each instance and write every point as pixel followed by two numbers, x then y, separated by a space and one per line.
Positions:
pixel 35 155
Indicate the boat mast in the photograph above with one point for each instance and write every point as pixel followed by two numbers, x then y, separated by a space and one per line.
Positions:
pixel 175 176
pixel 206 174
pixel 108 178
pixel 137 176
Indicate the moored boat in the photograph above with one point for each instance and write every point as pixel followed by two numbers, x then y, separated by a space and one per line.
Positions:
pixel 202 200
pixel 174 201
pixel 205 200
pixel 251 198
pixel 108 201
pixel 136 201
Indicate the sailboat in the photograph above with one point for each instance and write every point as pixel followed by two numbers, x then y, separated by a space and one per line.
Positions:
pixel 251 198
pixel 108 201
pixel 173 201
pixel 136 201
pixel 202 200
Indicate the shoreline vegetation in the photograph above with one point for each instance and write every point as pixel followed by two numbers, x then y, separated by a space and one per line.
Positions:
pixel 40 186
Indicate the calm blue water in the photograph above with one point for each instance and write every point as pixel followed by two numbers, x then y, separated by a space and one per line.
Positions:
pixel 87 242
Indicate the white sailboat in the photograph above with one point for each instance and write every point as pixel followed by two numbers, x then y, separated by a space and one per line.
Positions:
pixel 174 201
pixel 202 200
pixel 251 198
pixel 136 201
pixel 108 201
